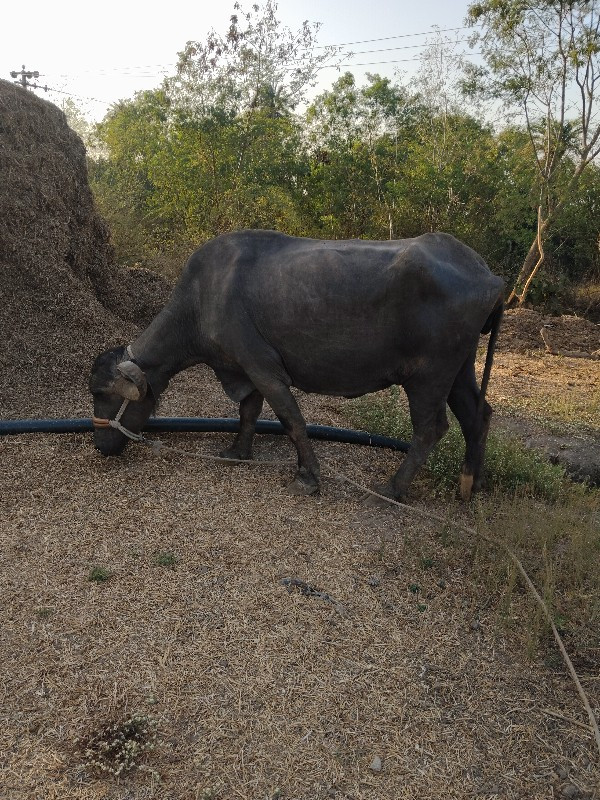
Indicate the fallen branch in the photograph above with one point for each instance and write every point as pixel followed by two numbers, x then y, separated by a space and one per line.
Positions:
pixel 554 351
pixel 565 718
pixel 309 591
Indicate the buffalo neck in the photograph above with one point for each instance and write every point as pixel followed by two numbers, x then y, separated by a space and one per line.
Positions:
pixel 167 346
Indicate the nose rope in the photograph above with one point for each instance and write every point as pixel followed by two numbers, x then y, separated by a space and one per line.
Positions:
pixel 99 422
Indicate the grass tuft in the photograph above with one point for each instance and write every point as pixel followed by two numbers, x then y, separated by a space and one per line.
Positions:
pixel 119 746
pixel 165 559
pixel 99 574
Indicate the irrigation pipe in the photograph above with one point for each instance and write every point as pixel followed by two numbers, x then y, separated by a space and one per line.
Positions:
pixel 205 425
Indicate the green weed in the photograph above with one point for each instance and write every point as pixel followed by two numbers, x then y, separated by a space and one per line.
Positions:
pixel 99 574
pixel 165 559
pixel 510 467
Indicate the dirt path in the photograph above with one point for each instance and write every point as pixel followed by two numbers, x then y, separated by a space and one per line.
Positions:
pixel 551 404
pixel 403 684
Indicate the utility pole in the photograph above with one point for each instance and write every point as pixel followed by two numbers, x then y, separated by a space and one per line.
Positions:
pixel 25 76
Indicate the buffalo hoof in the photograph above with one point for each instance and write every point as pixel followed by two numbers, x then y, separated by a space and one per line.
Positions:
pixel 299 487
pixel 466 486
pixel 235 455
pixel 382 499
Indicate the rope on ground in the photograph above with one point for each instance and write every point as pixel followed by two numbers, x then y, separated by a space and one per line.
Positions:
pixel 158 446
pixel 528 582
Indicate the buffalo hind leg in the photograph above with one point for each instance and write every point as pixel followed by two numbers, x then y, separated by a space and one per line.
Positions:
pixel 430 423
pixel 250 408
pixel 463 401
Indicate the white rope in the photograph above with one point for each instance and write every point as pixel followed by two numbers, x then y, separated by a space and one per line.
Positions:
pixel 115 423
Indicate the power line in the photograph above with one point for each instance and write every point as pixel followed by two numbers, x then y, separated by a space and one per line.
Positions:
pixel 399 36
pixel 76 96
pixel 403 47
pixel 130 68
pixel 125 70
pixel 376 63
pixel 163 72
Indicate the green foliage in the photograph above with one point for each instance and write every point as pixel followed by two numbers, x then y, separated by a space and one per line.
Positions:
pixel 548 292
pixel 165 559
pixel 219 147
pixel 99 574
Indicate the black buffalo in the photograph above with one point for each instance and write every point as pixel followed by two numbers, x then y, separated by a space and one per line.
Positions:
pixel 267 312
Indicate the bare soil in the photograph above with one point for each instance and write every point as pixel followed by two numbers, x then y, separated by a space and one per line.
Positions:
pixel 550 403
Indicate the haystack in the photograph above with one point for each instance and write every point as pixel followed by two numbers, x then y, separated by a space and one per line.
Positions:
pixel 61 289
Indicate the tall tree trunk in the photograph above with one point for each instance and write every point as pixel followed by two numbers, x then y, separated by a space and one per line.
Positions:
pixel 533 261
pixel 535 256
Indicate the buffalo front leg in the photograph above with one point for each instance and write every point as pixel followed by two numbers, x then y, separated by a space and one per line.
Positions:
pixel 286 408
pixel 250 409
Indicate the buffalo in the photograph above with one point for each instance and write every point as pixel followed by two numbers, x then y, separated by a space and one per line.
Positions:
pixel 267 311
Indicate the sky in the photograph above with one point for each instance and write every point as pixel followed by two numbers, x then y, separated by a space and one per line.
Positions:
pixel 102 52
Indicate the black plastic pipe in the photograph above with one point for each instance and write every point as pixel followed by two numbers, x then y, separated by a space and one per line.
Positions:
pixel 204 425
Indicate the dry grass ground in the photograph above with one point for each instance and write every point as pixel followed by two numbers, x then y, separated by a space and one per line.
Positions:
pixel 562 393
pixel 257 691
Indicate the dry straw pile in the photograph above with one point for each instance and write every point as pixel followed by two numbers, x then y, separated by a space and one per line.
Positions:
pixel 59 285
pixel 521 332
pixel 176 630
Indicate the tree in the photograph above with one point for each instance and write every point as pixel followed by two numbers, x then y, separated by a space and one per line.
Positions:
pixel 217 147
pixel 234 96
pixel 256 63
pixel 132 137
pixel 543 59
pixel 82 126
pixel 355 135
pixel 388 163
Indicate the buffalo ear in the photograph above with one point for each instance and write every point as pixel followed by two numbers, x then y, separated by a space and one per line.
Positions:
pixel 130 381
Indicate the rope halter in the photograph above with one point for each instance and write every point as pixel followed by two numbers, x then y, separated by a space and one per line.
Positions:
pixel 100 422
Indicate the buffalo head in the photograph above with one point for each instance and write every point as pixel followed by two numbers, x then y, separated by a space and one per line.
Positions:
pixel 115 377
